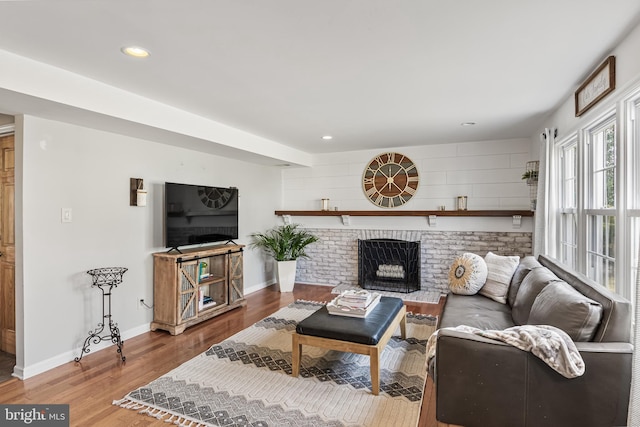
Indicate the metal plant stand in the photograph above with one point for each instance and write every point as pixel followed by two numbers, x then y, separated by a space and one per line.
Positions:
pixel 105 279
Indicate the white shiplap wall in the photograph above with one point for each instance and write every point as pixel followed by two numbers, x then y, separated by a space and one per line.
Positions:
pixel 487 172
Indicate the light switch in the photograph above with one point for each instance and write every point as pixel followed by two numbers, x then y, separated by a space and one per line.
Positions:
pixel 66 215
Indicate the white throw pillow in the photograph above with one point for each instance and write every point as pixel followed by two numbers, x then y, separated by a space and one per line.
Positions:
pixel 468 274
pixel 500 271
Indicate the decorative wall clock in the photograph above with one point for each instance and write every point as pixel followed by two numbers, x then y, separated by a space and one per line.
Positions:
pixel 390 180
pixel 213 197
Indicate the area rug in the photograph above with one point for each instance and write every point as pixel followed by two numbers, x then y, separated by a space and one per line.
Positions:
pixel 429 297
pixel 246 381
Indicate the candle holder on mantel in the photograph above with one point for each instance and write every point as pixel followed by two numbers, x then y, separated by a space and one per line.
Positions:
pixel 105 279
pixel 325 204
pixel 462 203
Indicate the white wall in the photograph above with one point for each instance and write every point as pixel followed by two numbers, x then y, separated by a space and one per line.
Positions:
pixel 489 173
pixel 67 166
pixel 627 75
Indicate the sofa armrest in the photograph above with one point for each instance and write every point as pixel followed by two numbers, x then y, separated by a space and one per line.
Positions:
pixel 604 347
pixel 483 382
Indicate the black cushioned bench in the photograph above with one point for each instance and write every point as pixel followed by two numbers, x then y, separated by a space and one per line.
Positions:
pixel 367 335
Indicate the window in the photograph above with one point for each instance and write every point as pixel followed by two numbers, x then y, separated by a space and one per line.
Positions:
pixel 600 204
pixel 568 204
pixel 633 195
pixel 597 197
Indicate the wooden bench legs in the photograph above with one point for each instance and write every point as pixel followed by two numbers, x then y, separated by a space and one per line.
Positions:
pixel 373 351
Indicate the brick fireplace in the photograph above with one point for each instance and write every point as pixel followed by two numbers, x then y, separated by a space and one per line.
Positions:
pixel 334 259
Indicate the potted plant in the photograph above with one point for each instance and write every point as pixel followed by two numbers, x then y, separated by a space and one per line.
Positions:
pixel 531 176
pixel 285 243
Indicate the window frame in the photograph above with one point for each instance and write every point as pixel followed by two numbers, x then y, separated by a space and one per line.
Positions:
pixel 621 113
pixel 590 209
pixel 568 212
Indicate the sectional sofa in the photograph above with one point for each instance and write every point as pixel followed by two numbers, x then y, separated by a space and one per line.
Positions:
pixel 487 383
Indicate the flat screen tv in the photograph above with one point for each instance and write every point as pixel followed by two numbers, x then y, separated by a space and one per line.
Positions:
pixel 197 214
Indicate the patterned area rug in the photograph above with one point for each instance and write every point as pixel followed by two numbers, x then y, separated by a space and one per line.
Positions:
pixel 430 297
pixel 246 381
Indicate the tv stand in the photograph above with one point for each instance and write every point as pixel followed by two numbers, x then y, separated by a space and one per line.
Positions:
pixel 195 285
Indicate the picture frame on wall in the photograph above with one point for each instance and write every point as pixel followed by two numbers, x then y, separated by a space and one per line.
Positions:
pixel 600 83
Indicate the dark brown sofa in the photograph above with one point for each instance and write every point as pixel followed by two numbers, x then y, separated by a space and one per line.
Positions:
pixel 483 382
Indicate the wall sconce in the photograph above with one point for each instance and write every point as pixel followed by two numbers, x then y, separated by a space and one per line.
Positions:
pixel 137 193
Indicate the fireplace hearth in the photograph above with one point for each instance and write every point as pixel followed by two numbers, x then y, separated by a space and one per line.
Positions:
pixel 389 265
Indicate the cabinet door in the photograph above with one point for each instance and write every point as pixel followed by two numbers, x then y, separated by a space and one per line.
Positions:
pixel 188 291
pixel 236 285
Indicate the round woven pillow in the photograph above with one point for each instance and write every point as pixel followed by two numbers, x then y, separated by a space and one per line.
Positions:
pixel 468 274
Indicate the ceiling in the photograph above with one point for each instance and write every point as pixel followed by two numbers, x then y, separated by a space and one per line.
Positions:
pixel 371 73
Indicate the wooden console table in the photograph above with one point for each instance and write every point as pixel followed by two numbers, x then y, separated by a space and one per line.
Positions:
pixel 195 285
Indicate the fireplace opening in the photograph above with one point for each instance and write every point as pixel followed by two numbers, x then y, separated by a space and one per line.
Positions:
pixel 389 265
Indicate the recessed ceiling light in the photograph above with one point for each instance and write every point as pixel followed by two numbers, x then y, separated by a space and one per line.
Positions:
pixel 327 137
pixel 135 51
pixel 467 123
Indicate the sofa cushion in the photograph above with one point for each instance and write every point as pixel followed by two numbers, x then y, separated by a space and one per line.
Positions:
pixel 500 270
pixel 531 285
pixel 616 310
pixel 526 265
pixel 475 310
pixel 467 274
pixel 560 305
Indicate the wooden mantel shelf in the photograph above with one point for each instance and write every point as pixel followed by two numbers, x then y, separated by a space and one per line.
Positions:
pixel 504 213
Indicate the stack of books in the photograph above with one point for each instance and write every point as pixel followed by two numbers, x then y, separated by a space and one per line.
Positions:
pixel 205 301
pixel 353 303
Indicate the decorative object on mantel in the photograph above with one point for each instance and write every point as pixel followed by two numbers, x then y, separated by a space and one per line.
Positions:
pixel 600 83
pixel 390 180
pixel 531 176
pixel 325 204
pixel 285 243
pixel 462 203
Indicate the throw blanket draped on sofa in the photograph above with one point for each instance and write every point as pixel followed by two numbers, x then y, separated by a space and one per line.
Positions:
pixel 552 345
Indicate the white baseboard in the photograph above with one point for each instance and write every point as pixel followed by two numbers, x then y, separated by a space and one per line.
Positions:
pixel 259 286
pixel 66 357
pixel 333 285
pixel 53 362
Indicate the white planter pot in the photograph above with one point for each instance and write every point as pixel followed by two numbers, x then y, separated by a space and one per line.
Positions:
pixel 286 275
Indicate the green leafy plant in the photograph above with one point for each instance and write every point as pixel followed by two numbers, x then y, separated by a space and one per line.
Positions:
pixel 532 175
pixel 285 242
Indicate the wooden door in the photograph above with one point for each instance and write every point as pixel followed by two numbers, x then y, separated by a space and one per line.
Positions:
pixel 7 245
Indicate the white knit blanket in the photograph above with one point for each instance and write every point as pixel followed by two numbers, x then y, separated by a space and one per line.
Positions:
pixel 552 345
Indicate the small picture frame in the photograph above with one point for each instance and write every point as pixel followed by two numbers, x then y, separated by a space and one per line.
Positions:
pixel 600 83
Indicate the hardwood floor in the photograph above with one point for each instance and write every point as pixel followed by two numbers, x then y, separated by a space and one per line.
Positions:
pixel 90 387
